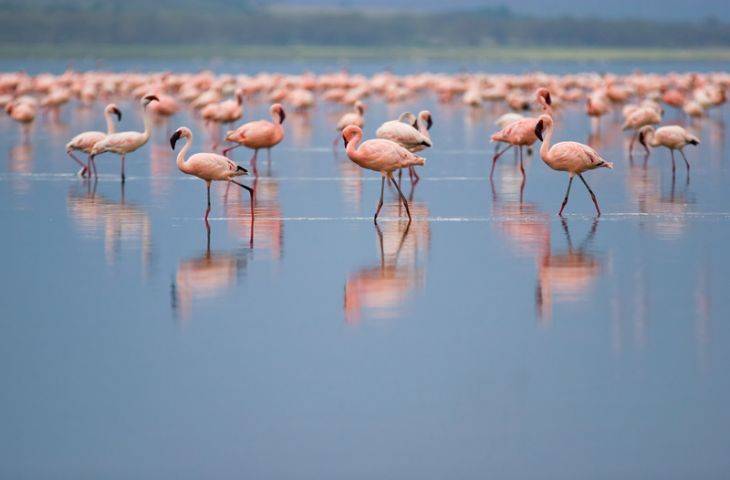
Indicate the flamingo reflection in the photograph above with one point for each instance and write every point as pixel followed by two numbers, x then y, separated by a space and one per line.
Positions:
pixel 565 276
pixel 268 233
pixel 205 277
pixel 383 289
pixel 121 223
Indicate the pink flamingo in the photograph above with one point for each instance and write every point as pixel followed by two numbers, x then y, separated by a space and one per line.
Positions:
pixel 259 134
pixel 637 118
pixel 572 157
pixel 85 141
pixel 673 137
pixel 208 166
pixel 123 143
pixel 521 133
pixel 23 111
pixel 356 117
pixel 411 133
pixel 227 111
pixel 382 156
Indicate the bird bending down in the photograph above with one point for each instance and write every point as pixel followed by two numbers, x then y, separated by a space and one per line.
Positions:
pixel 85 141
pixel 123 143
pixel 572 157
pixel 209 167
pixel 673 137
pixel 379 155
pixel 259 134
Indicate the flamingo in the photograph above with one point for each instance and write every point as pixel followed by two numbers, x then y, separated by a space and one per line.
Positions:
pixel 355 117
pixel 673 137
pixel 572 157
pixel 227 111
pixel 410 132
pixel 123 143
pixel 85 141
pixel 382 156
pixel 521 132
pixel 638 117
pixel 259 134
pixel 207 166
pixel 23 110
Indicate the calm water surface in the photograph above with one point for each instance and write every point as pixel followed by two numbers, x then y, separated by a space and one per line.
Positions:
pixel 488 339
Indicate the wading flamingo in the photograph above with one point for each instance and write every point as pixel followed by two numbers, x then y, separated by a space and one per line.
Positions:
pixel 355 117
pixel 259 134
pixel 410 132
pixel 84 142
pixel 379 155
pixel 673 137
pixel 521 133
pixel 208 166
pixel 638 117
pixel 23 111
pixel 572 157
pixel 123 143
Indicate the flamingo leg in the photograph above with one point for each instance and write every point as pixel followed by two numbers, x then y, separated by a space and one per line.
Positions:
pixel 496 157
pixel 565 200
pixel 414 174
pixel 84 167
pixel 380 202
pixel 228 149
pixel 251 194
pixel 92 161
pixel 207 211
pixel 593 195
pixel 123 178
pixel 685 159
pixel 522 166
pixel 674 167
pixel 402 197
pixel 631 143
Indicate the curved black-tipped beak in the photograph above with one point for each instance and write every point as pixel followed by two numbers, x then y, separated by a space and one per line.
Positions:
pixel 538 130
pixel 642 140
pixel 429 123
pixel 175 137
pixel 151 98
pixel 548 98
pixel 282 115
pixel 241 169
pixel 118 113
pixel 344 140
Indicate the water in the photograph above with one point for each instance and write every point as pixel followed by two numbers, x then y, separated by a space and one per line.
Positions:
pixel 488 339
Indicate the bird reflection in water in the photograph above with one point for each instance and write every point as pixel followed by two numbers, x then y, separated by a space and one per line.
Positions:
pixel 205 277
pixel 268 233
pixel 668 205
pixel 21 161
pixel 565 276
pixel 383 289
pixel 121 223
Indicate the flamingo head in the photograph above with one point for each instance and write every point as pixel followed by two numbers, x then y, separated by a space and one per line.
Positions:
pixel 111 108
pixel 543 96
pixel 147 99
pixel 425 115
pixel 545 121
pixel 239 96
pixel 643 132
pixel 278 111
pixel 350 132
pixel 409 118
pixel 360 107
pixel 180 132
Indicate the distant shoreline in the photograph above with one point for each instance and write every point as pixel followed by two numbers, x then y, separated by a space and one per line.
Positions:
pixel 298 52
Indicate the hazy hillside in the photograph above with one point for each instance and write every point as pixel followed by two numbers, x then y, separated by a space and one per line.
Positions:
pixel 235 22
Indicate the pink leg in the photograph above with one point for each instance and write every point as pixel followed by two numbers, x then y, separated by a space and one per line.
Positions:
pixel 565 200
pixel 84 167
pixel 593 195
pixel 226 150
pixel 123 177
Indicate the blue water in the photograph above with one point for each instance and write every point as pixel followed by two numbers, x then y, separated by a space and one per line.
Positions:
pixel 488 339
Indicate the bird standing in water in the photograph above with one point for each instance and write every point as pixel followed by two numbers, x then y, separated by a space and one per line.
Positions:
pixel 382 156
pixel 572 157
pixel 85 141
pixel 208 166
pixel 673 137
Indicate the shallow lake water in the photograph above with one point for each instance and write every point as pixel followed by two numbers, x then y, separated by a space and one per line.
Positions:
pixel 489 338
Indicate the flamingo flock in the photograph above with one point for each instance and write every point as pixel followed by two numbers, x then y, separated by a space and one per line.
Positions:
pixel 528 108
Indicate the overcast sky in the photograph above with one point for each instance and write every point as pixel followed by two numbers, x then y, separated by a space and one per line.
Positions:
pixel 658 9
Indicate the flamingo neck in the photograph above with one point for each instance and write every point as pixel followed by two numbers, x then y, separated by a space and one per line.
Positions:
pixel 352 145
pixel 110 126
pixel 181 164
pixel 147 125
pixel 546 143
pixel 422 128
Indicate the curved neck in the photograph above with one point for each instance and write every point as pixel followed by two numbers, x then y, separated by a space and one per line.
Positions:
pixel 110 126
pixel 548 139
pixel 183 153
pixel 649 138
pixel 351 148
pixel 423 128
pixel 147 125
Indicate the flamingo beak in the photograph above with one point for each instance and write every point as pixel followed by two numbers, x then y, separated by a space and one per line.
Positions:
pixel 344 139
pixel 642 140
pixel 538 130
pixel 282 115
pixel 118 113
pixel 429 123
pixel 548 99
pixel 175 137
pixel 241 169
